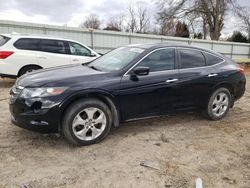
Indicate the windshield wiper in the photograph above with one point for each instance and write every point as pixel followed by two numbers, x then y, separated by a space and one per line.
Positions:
pixel 93 67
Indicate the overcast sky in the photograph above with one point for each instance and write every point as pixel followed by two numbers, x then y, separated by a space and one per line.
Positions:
pixel 73 12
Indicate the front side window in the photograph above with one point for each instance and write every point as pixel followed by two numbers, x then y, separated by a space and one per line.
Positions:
pixel 211 59
pixel 53 46
pixel 191 58
pixel 160 60
pixel 27 44
pixel 116 59
pixel 77 49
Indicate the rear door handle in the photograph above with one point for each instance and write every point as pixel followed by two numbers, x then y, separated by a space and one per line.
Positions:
pixel 212 75
pixel 75 60
pixel 171 80
pixel 42 57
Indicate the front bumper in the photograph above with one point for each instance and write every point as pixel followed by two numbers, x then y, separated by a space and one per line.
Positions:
pixel 34 119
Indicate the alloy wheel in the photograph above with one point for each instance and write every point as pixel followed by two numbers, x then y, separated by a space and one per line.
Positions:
pixel 220 104
pixel 89 124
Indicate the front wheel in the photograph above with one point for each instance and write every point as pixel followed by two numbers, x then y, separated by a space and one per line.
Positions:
pixel 219 104
pixel 86 122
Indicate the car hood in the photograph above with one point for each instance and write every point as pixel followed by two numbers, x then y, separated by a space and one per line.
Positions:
pixel 61 74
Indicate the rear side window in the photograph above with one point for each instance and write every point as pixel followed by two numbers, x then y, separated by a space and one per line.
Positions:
pixel 211 59
pixel 191 59
pixel 160 60
pixel 53 46
pixel 3 40
pixel 27 44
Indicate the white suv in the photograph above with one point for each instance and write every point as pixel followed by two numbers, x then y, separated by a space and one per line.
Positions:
pixel 20 54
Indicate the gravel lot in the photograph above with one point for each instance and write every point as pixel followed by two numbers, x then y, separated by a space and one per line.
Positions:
pixel 179 149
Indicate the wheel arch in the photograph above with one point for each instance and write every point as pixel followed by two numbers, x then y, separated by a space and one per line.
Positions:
pixel 29 65
pixel 103 96
pixel 228 86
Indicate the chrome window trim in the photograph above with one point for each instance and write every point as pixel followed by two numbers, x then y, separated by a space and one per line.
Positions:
pixel 223 60
pixel 177 48
pixel 203 66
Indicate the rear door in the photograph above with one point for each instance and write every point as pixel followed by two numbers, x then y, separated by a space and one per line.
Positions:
pixel 154 93
pixel 52 53
pixel 194 80
pixel 24 54
pixel 80 54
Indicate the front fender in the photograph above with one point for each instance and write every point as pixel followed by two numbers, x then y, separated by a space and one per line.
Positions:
pixel 102 95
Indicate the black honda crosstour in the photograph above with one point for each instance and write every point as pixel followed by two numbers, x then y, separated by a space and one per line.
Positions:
pixel 83 101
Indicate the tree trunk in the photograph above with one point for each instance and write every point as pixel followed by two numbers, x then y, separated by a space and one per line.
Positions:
pixel 214 35
pixel 204 30
pixel 215 31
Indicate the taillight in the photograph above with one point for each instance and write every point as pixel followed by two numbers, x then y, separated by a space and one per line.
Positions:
pixel 5 54
pixel 241 69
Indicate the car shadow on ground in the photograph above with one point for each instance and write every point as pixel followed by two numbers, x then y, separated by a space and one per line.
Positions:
pixel 6 82
pixel 124 130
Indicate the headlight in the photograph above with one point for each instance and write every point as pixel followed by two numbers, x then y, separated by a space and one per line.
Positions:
pixel 42 92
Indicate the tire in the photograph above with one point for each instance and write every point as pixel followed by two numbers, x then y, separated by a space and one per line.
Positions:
pixel 218 104
pixel 82 128
pixel 27 69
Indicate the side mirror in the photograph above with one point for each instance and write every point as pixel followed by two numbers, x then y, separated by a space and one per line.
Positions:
pixel 92 54
pixel 141 71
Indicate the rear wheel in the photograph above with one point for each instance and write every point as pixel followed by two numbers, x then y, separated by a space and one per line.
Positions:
pixel 28 69
pixel 219 104
pixel 86 122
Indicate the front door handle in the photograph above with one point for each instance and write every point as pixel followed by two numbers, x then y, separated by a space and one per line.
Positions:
pixel 212 75
pixel 171 80
pixel 75 60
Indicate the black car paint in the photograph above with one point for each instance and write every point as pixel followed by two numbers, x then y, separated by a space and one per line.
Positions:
pixel 130 99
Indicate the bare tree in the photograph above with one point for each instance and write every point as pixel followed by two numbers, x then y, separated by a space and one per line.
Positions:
pixel 167 27
pixel 115 23
pixel 138 19
pixel 143 17
pixel 132 24
pixel 211 11
pixel 197 24
pixel 244 14
pixel 181 30
pixel 204 27
pixel 92 21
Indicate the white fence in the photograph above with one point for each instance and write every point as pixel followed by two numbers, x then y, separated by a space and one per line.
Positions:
pixel 103 41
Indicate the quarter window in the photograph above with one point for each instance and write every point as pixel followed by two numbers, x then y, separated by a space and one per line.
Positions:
pixel 3 40
pixel 211 59
pixel 77 49
pixel 53 46
pixel 191 59
pixel 27 44
pixel 160 60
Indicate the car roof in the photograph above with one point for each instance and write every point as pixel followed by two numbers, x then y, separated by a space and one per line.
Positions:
pixel 161 45
pixel 17 35
pixel 153 46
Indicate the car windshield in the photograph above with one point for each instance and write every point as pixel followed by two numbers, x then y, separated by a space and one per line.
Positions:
pixel 3 40
pixel 116 59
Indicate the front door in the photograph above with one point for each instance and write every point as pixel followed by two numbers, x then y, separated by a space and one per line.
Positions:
pixel 80 54
pixel 151 94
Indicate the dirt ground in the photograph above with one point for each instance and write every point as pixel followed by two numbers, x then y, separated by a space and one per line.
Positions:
pixel 179 149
